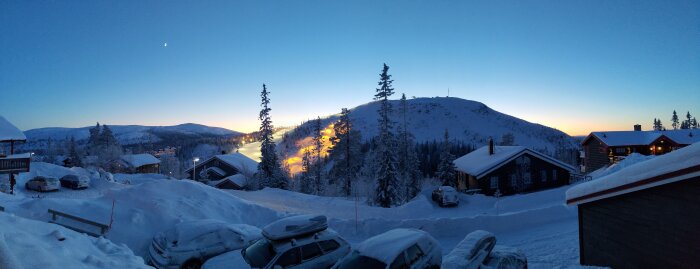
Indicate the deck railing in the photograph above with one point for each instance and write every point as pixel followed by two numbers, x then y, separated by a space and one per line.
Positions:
pixel 14 164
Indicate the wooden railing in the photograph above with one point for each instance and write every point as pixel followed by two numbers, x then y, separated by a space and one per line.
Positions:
pixel 102 227
pixel 14 165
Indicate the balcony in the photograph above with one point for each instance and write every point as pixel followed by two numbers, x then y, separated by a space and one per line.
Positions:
pixel 16 163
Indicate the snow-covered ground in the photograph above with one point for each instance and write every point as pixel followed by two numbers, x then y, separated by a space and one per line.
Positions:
pixel 540 224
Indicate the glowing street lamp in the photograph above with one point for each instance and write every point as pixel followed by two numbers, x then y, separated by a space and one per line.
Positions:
pixel 194 167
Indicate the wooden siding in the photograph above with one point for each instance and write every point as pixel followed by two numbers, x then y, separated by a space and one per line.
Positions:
pixel 517 169
pixel 596 154
pixel 149 168
pixel 652 228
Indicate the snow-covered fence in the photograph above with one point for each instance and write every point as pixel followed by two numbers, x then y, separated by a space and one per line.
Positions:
pixel 78 221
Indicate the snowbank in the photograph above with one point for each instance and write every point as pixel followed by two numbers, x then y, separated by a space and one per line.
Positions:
pixel 630 160
pixel 32 244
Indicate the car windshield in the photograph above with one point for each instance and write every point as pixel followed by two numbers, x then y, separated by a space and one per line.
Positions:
pixel 355 260
pixel 259 254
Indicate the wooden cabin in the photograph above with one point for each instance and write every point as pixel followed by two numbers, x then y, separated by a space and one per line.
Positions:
pixel 601 149
pixel 137 164
pixel 11 162
pixel 509 170
pixel 644 216
pixel 219 170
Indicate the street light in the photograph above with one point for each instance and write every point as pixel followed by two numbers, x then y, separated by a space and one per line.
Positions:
pixel 194 167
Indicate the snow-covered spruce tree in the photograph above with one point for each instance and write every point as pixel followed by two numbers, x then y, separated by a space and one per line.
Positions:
pixel 408 163
pixel 305 181
pixel 75 159
pixel 319 182
pixel 109 148
pixel 446 169
pixel 674 121
pixel 269 171
pixel 345 153
pixel 387 181
pixel 93 145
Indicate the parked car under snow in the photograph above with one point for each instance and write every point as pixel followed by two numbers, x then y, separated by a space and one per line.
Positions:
pixel 190 244
pixel 478 250
pixel 296 242
pixel 42 184
pixel 398 248
pixel 446 196
pixel 75 182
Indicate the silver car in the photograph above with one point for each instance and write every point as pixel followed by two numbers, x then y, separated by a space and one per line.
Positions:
pixel 397 248
pixel 42 184
pixel 190 244
pixel 446 196
pixel 296 242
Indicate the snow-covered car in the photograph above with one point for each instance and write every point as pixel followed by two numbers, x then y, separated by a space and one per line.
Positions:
pixel 446 196
pixel 75 182
pixel 296 242
pixel 471 252
pixel 478 250
pixel 189 244
pixel 40 183
pixel 503 257
pixel 398 248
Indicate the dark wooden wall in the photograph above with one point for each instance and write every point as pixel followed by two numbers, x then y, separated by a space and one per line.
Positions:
pixel 537 166
pixel 596 155
pixel 149 168
pixel 653 228
pixel 213 162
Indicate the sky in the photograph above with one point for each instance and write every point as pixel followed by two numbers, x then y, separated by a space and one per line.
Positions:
pixel 578 66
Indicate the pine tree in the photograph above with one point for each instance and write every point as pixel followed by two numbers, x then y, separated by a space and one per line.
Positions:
pixel 319 183
pixel 94 140
pixel 688 123
pixel 695 123
pixel 674 121
pixel 109 148
pixel 305 184
pixel 344 153
pixel 408 162
pixel 387 183
pixel 269 171
pixel 446 169
pixel 73 154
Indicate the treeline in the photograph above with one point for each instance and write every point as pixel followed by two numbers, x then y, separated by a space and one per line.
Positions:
pixel 688 123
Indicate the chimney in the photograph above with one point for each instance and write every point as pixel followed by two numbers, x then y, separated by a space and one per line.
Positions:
pixel 490 146
pixel 637 127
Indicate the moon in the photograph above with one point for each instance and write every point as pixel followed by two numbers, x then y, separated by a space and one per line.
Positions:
pixel 165 44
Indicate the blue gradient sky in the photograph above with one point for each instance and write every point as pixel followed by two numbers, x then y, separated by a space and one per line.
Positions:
pixel 576 66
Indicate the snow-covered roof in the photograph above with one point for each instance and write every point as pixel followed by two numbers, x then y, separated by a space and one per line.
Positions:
pixel 213 169
pixel 479 162
pixel 9 132
pixel 238 179
pixel 671 167
pixel 239 161
pixel 639 138
pixel 138 160
pixel 385 247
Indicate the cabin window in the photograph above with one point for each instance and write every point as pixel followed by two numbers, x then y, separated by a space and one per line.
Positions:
pixel 527 178
pixel 513 180
pixel 620 150
pixel 554 175
pixel 494 182
pixel 544 175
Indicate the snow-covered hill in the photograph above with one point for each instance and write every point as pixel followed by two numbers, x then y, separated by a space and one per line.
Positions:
pixel 128 134
pixel 470 122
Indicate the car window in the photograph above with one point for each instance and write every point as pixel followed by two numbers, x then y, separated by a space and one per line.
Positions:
pixel 310 251
pixel 355 260
pixel 414 254
pixel 207 240
pixel 399 262
pixel 259 254
pixel 289 258
pixel 329 245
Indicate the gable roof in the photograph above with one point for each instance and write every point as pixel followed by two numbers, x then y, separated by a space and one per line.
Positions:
pixel 235 160
pixel 138 160
pixel 9 132
pixel 479 162
pixel 643 138
pixel 674 166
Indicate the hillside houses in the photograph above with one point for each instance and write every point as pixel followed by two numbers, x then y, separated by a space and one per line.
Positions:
pixel 601 149
pixel 225 171
pixel 509 170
